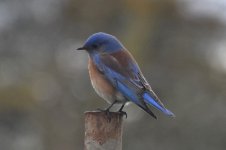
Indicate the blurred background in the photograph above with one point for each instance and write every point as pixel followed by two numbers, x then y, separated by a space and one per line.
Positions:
pixel 44 84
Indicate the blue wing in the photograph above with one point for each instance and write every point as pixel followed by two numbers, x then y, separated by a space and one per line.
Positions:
pixel 123 72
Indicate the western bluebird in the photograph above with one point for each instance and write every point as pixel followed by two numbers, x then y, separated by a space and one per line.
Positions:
pixel 116 76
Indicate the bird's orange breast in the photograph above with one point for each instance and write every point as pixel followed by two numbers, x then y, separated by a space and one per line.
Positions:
pixel 100 84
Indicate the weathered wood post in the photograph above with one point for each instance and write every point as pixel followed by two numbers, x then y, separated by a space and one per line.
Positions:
pixel 102 131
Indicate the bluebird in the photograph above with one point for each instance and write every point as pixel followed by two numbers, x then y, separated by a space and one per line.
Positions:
pixel 116 76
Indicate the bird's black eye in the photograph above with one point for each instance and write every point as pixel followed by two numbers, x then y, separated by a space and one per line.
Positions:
pixel 95 46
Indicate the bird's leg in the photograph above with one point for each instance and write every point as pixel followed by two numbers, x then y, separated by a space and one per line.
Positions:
pixel 122 112
pixel 107 110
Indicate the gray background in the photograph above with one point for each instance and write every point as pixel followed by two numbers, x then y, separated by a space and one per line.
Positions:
pixel 44 85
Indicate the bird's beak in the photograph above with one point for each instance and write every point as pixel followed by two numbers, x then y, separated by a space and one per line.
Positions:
pixel 81 48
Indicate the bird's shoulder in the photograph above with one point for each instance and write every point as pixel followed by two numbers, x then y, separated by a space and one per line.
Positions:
pixel 122 59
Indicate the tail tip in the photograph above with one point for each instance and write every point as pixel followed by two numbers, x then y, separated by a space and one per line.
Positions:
pixel 169 113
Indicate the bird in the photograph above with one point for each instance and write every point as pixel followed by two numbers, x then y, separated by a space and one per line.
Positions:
pixel 116 76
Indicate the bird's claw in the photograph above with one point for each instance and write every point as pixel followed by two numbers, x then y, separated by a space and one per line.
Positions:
pixel 123 113
pixel 107 113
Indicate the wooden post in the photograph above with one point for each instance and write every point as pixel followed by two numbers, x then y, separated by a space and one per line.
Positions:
pixel 102 131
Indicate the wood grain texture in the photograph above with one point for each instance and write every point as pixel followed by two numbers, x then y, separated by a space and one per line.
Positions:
pixel 103 132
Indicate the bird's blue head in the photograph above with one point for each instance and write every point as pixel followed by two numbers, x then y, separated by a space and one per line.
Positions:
pixel 102 43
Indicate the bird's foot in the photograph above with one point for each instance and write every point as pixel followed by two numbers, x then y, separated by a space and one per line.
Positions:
pixel 107 113
pixel 123 113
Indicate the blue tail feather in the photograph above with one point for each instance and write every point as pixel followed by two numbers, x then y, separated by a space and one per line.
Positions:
pixel 148 99
pixel 133 97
